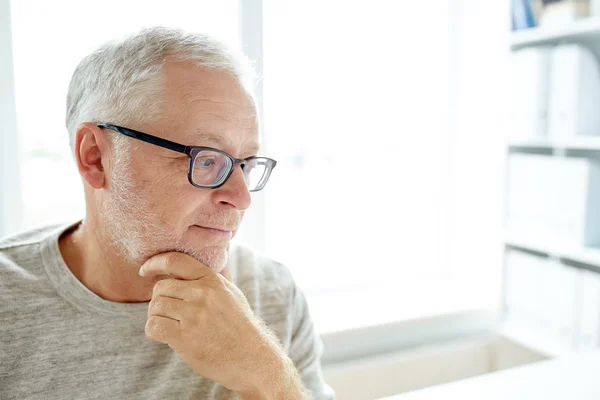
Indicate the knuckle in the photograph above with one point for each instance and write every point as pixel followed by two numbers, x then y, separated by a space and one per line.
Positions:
pixel 153 327
pixel 155 303
pixel 163 304
pixel 200 294
pixel 158 287
pixel 195 293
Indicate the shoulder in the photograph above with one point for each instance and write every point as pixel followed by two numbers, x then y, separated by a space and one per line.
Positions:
pixel 251 265
pixel 21 264
pixel 31 237
pixel 21 253
pixel 266 282
pixel 17 251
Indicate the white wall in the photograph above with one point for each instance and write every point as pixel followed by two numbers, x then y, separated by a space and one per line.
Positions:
pixel 10 208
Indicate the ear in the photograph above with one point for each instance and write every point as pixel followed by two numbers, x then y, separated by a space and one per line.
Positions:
pixel 91 144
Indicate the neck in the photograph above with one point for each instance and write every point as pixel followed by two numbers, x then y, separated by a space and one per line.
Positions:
pixel 97 264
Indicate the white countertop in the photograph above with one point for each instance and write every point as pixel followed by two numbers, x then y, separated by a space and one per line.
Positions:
pixel 574 377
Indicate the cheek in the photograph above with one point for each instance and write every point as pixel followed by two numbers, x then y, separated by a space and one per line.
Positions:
pixel 171 199
pixel 185 204
pixel 165 202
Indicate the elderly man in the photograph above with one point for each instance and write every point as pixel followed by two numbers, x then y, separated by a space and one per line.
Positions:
pixel 146 298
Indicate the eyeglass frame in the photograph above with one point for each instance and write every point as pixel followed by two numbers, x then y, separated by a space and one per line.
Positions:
pixel 191 152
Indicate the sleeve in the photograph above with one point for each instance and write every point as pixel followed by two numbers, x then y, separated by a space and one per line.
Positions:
pixel 306 349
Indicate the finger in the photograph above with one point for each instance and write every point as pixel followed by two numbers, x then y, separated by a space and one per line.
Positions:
pixel 167 307
pixel 173 288
pixel 175 265
pixel 164 330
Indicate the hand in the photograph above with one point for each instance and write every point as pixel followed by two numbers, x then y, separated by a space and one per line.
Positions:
pixel 207 320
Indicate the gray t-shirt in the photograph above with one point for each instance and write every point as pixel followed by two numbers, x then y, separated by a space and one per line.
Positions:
pixel 59 340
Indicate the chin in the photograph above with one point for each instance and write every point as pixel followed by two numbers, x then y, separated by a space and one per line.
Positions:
pixel 214 257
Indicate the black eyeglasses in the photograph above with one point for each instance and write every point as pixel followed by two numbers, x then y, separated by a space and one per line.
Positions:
pixel 209 168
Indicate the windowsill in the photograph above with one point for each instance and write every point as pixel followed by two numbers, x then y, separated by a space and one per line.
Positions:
pixel 387 318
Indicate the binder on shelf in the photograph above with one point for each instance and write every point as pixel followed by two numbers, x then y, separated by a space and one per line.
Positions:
pixel 595 8
pixel 575 92
pixel 525 308
pixel 523 16
pixel 566 286
pixel 560 13
pixel 589 324
pixel 554 199
pixel 530 84
pixel 530 191
pixel 541 300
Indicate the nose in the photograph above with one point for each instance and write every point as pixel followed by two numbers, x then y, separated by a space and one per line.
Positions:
pixel 234 193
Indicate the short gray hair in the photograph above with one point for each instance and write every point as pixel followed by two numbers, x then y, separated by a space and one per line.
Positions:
pixel 118 82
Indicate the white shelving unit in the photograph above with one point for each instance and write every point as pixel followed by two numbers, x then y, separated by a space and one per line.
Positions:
pixel 587 33
pixel 579 143
pixel 555 249
pixel 585 30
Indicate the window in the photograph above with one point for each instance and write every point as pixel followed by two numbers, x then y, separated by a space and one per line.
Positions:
pixel 66 31
pixel 356 99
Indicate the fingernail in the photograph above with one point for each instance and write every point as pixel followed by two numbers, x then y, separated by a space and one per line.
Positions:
pixel 141 271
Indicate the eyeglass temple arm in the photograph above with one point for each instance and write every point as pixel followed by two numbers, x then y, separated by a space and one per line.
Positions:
pixel 144 137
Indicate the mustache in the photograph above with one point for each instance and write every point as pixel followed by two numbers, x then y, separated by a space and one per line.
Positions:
pixel 230 220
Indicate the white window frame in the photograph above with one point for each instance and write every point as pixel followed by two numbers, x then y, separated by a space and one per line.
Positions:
pixel 253 230
pixel 10 192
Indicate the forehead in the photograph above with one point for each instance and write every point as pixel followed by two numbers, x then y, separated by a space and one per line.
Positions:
pixel 208 108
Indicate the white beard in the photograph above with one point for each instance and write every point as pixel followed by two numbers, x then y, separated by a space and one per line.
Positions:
pixel 136 232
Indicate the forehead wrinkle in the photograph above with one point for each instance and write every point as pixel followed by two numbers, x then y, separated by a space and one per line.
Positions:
pixel 223 117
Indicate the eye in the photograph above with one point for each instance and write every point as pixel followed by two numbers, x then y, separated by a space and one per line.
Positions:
pixel 205 162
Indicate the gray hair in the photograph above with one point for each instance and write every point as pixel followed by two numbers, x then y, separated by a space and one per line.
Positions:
pixel 119 82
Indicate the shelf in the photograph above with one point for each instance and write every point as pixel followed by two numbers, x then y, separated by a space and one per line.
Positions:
pixel 582 30
pixel 576 143
pixel 584 255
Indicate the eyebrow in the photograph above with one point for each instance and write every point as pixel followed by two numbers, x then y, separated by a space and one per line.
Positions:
pixel 219 141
